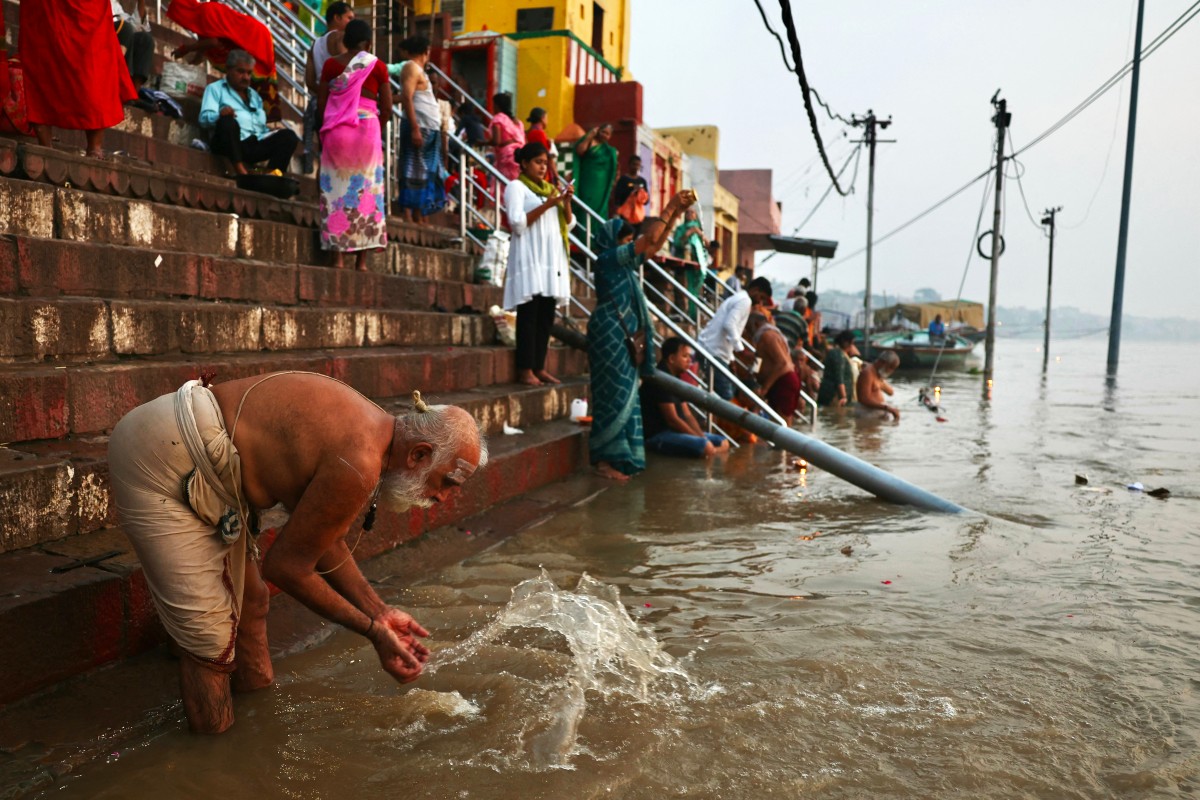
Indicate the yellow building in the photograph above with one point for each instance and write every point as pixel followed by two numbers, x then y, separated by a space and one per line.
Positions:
pixel 561 44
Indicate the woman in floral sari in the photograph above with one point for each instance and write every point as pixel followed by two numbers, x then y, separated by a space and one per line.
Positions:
pixel 616 446
pixel 353 103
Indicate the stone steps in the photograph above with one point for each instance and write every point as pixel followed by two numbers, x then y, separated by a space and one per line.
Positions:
pixel 58 488
pixel 45 738
pixel 76 329
pixel 109 608
pixel 33 267
pixel 51 402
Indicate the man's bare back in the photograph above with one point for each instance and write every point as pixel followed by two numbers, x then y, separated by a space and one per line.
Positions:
pixel 294 425
pixel 871 388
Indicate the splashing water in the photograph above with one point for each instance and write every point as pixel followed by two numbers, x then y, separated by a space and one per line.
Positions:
pixel 609 654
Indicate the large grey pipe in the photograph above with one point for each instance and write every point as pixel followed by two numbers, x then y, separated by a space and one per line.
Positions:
pixel 863 475
pixel 845 466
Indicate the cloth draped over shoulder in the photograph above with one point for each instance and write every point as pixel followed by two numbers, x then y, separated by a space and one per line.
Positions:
pixel 617 435
pixel 537 255
pixel 214 487
pixel 176 483
pixel 595 174
pixel 510 129
pixel 545 190
pixel 345 94
pixel 214 20
pixel 353 200
pixel 74 71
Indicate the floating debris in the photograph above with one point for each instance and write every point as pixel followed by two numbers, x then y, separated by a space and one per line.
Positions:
pixel 1136 486
pixel 847 550
pixel 1081 480
pixel 1159 492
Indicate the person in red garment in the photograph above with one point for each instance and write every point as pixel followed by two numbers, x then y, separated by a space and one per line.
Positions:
pixel 75 73
pixel 220 29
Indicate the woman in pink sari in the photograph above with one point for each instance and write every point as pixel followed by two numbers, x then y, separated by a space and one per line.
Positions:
pixel 354 102
pixel 507 136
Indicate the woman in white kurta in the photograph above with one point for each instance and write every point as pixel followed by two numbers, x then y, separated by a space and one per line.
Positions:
pixel 538 277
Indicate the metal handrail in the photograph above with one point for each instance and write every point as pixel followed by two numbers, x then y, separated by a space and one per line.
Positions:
pixel 291 56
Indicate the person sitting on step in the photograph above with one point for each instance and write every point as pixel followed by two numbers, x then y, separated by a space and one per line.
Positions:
pixel 235 116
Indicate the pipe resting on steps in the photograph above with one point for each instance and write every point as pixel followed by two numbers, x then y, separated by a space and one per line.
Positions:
pixel 854 470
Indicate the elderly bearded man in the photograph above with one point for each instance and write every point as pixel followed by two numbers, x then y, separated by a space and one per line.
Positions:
pixel 188 472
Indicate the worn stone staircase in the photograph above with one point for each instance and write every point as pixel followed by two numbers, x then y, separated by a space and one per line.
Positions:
pixel 121 279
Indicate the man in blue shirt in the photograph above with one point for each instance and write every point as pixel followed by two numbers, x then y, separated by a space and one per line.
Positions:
pixel 234 113
pixel 937 328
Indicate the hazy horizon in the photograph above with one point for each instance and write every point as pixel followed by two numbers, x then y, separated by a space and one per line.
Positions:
pixel 934 71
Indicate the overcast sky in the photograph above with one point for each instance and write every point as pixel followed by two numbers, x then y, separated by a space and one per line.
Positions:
pixel 933 66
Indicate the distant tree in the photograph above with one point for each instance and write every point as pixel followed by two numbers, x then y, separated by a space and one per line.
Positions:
pixel 927 295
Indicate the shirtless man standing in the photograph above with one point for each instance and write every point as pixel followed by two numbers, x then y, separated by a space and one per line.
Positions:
pixel 420 132
pixel 778 382
pixel 872 384
pixel 190 469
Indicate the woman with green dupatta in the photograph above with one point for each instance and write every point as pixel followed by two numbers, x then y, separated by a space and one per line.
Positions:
pixel 621 316
pixel 538 278
pixel 595 171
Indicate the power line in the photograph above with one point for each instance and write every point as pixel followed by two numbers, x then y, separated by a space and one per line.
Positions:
pixel 767 24
pixel 854 155
pixel 1180 21
pixel 1018 172
pixel 786 7
pixel 783 53
pixel 1193 10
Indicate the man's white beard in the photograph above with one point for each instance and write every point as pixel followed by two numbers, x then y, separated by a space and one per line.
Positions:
pixel 404 490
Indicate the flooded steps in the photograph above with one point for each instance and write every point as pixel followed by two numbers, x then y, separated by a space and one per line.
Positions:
pixel 92 713
pixel 58 488
pixel 110 611
pixel 50 402
pixel 96 330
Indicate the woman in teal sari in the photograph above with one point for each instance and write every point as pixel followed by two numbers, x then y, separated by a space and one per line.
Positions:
pixel 616 446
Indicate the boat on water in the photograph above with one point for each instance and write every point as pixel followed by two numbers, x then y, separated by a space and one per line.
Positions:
pixel 918 349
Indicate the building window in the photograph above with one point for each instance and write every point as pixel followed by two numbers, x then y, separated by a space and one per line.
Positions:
pixel 455 9
pixel 535 19
pixel 598 28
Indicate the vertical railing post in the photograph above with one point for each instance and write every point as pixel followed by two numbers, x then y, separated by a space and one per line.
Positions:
pixel 464 186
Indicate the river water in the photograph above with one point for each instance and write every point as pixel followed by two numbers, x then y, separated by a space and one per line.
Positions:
pixel 783 634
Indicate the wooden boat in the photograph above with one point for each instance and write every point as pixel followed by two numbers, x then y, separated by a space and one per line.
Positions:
pixel 916 349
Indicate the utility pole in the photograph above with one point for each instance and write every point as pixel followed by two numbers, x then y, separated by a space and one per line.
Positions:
pixel 1114 324
pixel 1002 119
pixel 869 123
pixel 1050 213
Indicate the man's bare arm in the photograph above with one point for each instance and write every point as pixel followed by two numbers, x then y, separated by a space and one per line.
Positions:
pixel 776 363
pixel 674 421
pixel 690 420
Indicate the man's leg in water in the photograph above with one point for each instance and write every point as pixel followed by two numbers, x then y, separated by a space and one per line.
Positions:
pixel 207 699
pixel 253 660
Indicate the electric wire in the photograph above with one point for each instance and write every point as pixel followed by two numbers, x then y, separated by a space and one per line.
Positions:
pixel 1112 140
pixel 1018 172
pixel 1183 19
pixel 783 53
pixel 857 152
pixel 788 23
pixel 987 184
pixel 1180 21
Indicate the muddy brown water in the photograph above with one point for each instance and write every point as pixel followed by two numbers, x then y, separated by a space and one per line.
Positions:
pixel 1048 649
